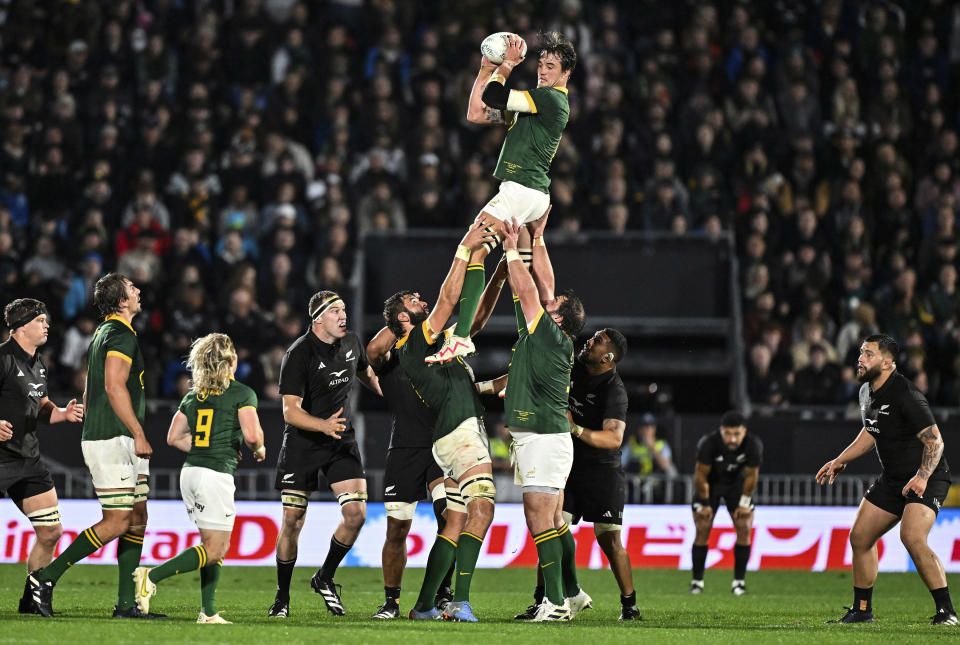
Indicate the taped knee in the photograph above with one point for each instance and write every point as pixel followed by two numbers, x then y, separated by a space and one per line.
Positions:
pixel 116 501
pixel 600 529
pixel 355 496
pixel 294 501
pixel 141 490
pixel 492 244
pixel 478 487
pixel 454 500
pixel 49 516
pixel 401 510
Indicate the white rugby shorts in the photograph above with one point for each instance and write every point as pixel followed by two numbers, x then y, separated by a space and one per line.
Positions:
pixel 519 202
pixel 113 463
pixel 208 495
pixel 542 459
pixel 467 446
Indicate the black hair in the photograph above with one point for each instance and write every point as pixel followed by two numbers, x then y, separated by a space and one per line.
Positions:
pixel 393 307
pixel 571 309
pixel 732 419
pixel 553 42
pixel 618 341
pixel 886 343
pixel 110 293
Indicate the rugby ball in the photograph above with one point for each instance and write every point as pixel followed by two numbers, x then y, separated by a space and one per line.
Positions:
pixel 494 47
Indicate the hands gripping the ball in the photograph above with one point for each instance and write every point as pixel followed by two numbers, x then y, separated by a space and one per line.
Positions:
pixel 516 47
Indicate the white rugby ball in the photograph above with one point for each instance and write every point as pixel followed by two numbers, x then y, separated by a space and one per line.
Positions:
pixel 494 47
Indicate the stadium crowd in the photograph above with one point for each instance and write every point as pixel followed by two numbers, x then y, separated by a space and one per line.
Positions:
pixel 228 156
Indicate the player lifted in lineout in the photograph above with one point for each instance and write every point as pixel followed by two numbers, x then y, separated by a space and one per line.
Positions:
pixel 535 121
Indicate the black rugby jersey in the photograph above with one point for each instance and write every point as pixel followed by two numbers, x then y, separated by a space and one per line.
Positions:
pixel 594 398
pixel 893 415
pixel 23 384
pixel 727 465
pixel 323 375
pixel 411 420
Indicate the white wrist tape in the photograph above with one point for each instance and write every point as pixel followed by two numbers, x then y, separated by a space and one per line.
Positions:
pixel 745 501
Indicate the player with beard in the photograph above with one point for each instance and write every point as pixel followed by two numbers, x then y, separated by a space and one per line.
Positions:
pixel 596 488
pixel 23 404
pixel 914 478
pixel 411 469
pixel 460 444
pixel 316 377
pixel 114 446
pixel 728 464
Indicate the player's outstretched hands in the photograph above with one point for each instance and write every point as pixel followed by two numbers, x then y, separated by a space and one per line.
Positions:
pixel 829 472
pixel 917 485
pixel 477 234
pixel 333 425
pixel 512 57
pixel 537 226
pixel 511 232
pixel 6 430
pixel 485 62
pixel 73 412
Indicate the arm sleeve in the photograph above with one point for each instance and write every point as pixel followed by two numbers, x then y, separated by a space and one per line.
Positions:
pixel 520 101
pixel 293 372
pixel 705 450
pixel 123 344
pixel 248 399
pixel 917 412
pixel 755 456
pixel 362 362
pixel 616 403
pixel 496 95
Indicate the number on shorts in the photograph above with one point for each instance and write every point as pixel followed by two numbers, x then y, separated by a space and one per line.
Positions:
pixel 204 424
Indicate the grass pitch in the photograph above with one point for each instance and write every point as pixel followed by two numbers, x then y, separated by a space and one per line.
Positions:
pixel 780 607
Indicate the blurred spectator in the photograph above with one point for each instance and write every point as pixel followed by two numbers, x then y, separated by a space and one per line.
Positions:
pixel 819 381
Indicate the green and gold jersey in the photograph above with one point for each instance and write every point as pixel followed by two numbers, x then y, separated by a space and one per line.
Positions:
pixel 114 337
pixel 539 383
pixel 214 423
pixel 533 137
pixel 447 388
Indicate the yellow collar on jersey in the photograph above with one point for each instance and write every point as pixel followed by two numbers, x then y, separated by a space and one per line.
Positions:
pixel 121 319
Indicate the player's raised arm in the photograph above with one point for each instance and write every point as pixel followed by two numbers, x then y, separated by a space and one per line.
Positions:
pixel 453 283
pixel 378 349
pixel 477 112
pixel 541 267
pixel 520 280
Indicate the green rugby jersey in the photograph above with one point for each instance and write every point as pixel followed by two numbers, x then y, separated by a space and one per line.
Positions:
pixel 114 337
pixel 215 426
pixel 447 388
pixel 533 137
pixel 539 384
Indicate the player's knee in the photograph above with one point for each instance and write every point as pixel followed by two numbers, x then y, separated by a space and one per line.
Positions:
pixel 294 507
pixel 861 541
pixel 913 539
pixel 403 511
pixel 48 535
pixel 45 521
pixel 479 487
pixel 397 530
pixel 607 533
pixel 353 508
pixel 454 500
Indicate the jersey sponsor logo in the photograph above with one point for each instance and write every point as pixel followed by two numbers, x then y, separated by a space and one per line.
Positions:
pixel 199 506
pixel 338 381
pixel 741 457
pixel 36 389
pixel 389 488
pixel 718 458
pixel 338 373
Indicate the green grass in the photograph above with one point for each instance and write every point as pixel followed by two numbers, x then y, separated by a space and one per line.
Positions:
pixel 781 607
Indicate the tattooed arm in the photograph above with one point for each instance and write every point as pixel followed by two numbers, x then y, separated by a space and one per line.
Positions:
pixel 477 111
pixel 932 451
